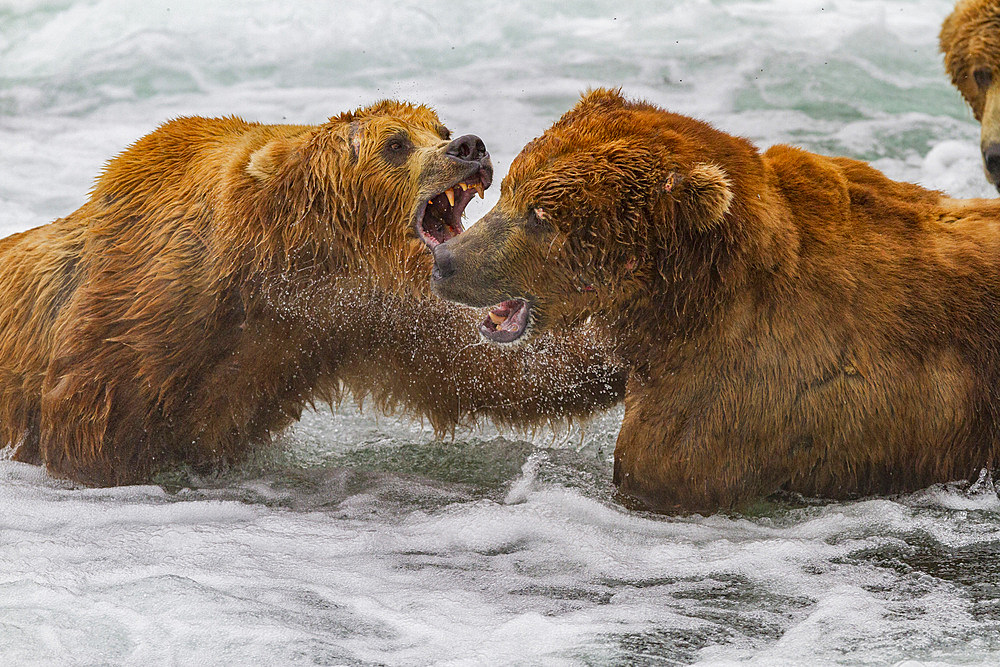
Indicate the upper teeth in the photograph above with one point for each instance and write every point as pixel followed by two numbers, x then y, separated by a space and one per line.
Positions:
pixel 450 192
pixel 478 187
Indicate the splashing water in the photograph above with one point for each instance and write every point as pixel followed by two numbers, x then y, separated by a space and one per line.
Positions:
pixel 365 540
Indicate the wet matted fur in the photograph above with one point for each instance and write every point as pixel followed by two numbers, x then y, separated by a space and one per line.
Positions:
pixel 791 321
pixel 225 274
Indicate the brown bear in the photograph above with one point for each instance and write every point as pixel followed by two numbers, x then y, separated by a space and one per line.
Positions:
pixel 791 321
pixel 225 274
pixel 970 41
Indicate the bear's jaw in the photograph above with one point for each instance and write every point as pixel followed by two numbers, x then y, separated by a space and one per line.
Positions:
pixel 440 217
pixel 506 322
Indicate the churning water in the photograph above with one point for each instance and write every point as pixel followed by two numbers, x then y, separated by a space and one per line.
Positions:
pixel 364 540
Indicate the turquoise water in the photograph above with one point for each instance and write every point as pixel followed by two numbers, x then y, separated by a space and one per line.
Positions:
pixel 364 540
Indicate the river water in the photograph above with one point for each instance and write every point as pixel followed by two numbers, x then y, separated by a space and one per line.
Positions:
pixel 360 539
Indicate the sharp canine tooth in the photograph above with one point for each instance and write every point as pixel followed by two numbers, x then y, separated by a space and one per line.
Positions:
pixel 497 319
pixel 451 196
pixel 480 190
pixel 430 201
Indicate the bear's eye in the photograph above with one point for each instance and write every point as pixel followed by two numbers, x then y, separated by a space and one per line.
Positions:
pixel 396 149
pixel 983 77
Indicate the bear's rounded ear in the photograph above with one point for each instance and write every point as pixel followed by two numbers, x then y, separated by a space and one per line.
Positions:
pixel 703 195
pixel 265 161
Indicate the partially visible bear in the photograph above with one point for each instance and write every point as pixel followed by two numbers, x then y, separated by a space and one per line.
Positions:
pixel 791 321
pixel 225 274
pixel 970 41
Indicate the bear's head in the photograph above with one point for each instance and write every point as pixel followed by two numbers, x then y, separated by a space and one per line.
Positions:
pixel 615 205
pixel 361 195
pixel 970 41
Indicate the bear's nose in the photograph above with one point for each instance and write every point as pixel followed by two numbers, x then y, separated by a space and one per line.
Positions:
pixel 991 158
pixel 469 147
pixel 444 263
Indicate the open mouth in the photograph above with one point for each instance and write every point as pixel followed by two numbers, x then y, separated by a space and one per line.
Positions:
pixel 441 217
pixel 506 322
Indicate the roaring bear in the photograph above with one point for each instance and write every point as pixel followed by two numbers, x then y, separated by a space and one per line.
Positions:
pixel 970 41
pixel 225 274
pixel 790 321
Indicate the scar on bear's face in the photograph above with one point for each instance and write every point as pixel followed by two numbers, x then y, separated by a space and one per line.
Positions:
pixel 355 134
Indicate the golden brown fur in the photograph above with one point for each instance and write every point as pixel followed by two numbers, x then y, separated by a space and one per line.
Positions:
pixel 791 321
pixel 970 41
pixel 225 274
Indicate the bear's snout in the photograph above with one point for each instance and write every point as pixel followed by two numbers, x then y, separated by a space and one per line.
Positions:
pixel 468 148
pixel 444 263
pixel 991 162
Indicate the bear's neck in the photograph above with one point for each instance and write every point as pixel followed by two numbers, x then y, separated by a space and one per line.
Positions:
pixel 688 293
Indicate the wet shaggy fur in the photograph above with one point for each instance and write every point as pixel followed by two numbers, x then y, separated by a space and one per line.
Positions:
pixel 970 41
pixel 225 274
pixel 791 321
